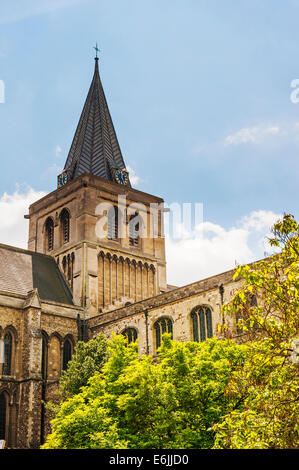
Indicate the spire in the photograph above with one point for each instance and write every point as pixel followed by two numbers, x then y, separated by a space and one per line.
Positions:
pixel 95 148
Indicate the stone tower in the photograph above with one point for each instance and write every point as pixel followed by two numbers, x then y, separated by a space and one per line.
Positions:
pixel 106 236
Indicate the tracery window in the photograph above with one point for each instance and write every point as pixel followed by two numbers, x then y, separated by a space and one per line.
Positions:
pixel 67 353
pixel 130 334
pixel 162 325
pixel 49 234
pixel 7 354
pixel 202 323
pixel 65 225
pixel 242 317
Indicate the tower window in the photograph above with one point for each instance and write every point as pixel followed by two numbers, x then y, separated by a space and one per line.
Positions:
pixel 64 265
pixel 112 223
pixel 202 323
pixel 49 234
pixel 65 225
pixel 134 230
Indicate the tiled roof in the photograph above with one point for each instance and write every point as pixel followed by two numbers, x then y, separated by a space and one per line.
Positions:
pixel 95 148
pixel 22 271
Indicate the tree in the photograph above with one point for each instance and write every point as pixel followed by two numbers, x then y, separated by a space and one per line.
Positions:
pixel 140 402
pixel 87 360
pixel 265 391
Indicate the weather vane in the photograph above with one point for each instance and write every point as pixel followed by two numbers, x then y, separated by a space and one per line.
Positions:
pixel 97 50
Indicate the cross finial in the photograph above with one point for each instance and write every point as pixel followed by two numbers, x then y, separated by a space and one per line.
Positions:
pixel 97 50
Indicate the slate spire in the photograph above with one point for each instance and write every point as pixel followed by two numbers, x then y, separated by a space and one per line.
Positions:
pixel 95 148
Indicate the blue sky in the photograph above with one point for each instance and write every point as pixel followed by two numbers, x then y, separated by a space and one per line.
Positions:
pixel 199 92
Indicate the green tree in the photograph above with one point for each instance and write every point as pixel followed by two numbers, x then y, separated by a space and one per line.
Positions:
pixel 265 391
pixel 88 359
pixel 141 402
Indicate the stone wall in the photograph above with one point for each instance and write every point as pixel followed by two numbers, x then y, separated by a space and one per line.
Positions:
pixel 29 321
pixel 176 305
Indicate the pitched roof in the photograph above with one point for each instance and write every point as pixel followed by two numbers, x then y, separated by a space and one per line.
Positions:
pixel 95 148
pixel 21 271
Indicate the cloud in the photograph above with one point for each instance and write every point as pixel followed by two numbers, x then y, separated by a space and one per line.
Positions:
pixel 254 135
pixel 133 177
pixel 13 207
pixel 208 250
pixel 259 220
pixel 18 10
pixel 211 249
pixel 58 150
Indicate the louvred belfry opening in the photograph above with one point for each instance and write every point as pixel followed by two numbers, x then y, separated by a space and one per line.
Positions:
pixel 95 148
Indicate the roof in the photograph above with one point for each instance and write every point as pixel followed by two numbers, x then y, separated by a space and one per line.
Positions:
pixel 21 271
pixel 95 148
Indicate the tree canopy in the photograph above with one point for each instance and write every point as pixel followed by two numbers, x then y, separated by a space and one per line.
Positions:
pixel 88 359
pixel 143 403
pixel 267 387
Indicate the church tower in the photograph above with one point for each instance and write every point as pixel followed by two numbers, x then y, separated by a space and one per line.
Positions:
pixel 106 237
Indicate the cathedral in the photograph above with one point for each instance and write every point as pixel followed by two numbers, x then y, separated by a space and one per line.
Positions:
pixel 95 264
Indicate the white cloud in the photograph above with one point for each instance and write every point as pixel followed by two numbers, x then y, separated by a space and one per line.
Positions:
pixel 254 135
pixel 133 177
pixel 13 207
pixel 259 220
pixel 211 249
pixel 58 150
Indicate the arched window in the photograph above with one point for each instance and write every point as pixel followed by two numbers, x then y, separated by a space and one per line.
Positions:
pixel 44 364
pixel 202 323
pixel 253 304
pixel 67 353
pixel 3 416
pixel 134 229
pixel 7 354
pixel 130 334
pixel 243 322
pixel 65 225
pixel 49 234
pixel 64 265
pixel 238 324
pixel 72 268
pixel 162 325
pixel 112 223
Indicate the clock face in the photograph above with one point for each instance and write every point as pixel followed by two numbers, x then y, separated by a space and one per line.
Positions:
pixel 121 177
pixel 62 179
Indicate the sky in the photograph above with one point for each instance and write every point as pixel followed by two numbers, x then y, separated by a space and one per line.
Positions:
pixel 203 96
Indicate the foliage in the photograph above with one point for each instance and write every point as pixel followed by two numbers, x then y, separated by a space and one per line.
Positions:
pixel 143 402
pixel 216 393
pixel 87 360
pixel 266 388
